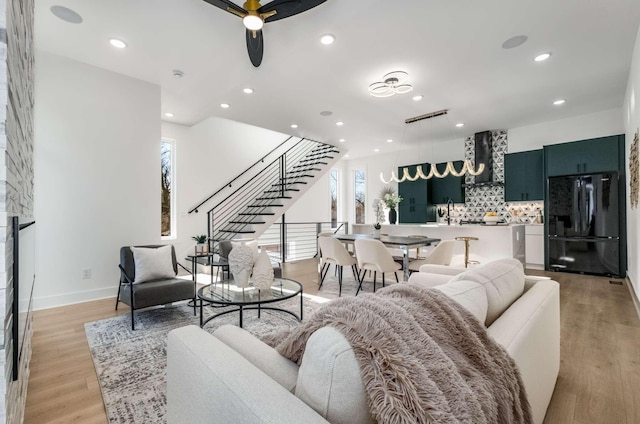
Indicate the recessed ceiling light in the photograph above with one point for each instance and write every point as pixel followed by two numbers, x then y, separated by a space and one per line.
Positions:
pixel 342 140
pixel 542 57
pixel 119 44
pixel 169 115
pixel 177 73
pixel 66 14
pixel 339 123
pixel 346 156
pixel 417 98
pixel 376 150
pixel 389 140
pixel 247 90
pixel 224 105
pixel 513 42
pixel 327 39
pixel 294 126
pixel 326 113
pixel 459 125
pixel 559 102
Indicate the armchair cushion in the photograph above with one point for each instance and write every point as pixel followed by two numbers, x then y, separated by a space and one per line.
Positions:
pixel 158 292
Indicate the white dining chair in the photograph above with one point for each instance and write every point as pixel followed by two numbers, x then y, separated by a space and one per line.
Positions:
pixel 334 253
pixel 372 255
pixel 439 255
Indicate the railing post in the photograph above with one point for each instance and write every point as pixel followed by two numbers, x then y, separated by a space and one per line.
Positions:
pixel 318 231
pixel 283 239
pixel 283 165
pixel 209 241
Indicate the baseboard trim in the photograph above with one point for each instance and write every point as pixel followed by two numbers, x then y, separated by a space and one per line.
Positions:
pixel 55 301
pixel 634 295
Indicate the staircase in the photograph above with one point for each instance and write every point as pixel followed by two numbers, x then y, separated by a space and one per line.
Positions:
pixel 251 202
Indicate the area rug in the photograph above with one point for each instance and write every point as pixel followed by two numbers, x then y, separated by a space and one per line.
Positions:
pixel 131 365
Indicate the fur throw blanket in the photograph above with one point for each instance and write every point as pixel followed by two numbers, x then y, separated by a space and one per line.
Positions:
pixel 423 358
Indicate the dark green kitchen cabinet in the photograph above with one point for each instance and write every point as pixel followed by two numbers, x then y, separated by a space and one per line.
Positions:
pixel 449 187
pixel 414 206
pixel 523 176
pixel 583 157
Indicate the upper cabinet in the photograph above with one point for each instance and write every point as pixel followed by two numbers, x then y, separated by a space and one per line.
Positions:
pixel 523 176
pixel 449 187
pixel 583 157
pixel 414 208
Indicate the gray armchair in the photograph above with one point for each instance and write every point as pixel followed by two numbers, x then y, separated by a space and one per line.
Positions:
pixel 151 293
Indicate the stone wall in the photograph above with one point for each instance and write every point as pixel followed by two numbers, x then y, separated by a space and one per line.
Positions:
pixel 16 178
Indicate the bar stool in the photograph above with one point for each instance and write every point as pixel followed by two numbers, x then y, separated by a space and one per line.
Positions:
pixel 466 241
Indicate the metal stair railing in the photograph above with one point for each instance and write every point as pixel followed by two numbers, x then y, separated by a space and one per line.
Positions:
pixel 262 194
pixel 242 174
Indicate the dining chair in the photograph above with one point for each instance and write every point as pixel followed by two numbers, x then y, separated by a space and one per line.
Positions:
pixel 439 255
pixel 372 255
pixel 334 252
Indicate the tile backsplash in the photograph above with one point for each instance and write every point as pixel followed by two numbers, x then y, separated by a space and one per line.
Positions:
pixel 490 197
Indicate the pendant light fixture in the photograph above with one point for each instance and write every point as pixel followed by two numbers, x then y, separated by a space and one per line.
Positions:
pixel 467 165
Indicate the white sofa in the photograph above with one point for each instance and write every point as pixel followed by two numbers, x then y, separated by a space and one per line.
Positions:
pixel 232 377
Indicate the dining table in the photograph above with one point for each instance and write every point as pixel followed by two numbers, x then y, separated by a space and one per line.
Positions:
pixel 404 243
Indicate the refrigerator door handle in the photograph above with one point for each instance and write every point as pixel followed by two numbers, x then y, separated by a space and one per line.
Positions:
pixel 582 238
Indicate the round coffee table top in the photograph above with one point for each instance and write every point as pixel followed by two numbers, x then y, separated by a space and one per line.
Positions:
pixel 225 292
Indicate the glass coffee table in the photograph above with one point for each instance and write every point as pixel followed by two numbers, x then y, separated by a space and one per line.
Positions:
pixel 226 293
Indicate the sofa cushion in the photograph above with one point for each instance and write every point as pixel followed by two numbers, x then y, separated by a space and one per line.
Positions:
pixel 503 281
pixel 329 379
pixel 281 369
pixel 152 263
pixel 471 295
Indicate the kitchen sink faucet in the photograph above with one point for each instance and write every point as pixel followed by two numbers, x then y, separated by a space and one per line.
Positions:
pixel 449 204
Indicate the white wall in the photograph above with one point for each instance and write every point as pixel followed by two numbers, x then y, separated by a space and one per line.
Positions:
pixel 96 176
pixel 592 125
pixel 631 117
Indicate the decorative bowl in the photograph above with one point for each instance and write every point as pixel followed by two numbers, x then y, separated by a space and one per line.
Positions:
pixel 491 220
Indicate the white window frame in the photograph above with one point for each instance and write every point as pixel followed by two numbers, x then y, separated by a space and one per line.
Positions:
pixel 174 221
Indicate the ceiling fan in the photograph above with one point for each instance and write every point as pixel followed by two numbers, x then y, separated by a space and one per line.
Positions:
pixel 254 16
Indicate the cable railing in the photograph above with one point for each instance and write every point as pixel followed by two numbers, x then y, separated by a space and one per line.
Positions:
pixel 292 241
pixel 246 174
pixel 261 195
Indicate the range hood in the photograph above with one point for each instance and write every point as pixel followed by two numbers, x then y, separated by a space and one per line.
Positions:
pixel 484 154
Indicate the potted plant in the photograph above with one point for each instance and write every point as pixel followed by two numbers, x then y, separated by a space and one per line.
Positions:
pixel 391 200
pixel 201 246
pixel 376 230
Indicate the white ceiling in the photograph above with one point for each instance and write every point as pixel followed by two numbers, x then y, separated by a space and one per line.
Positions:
pixel 451 49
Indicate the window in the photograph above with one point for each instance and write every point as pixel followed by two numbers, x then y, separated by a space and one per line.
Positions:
pixel 334 197
pixel 360 201
pixel 167 183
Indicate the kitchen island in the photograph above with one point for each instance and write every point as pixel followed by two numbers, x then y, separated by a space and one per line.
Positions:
pixel 494 241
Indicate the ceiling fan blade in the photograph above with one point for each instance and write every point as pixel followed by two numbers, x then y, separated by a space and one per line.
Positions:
pixel 226 5
pixel 286 8
pixel 255 46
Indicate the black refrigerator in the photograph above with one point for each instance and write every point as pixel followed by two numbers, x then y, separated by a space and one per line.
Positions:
pixel 583 224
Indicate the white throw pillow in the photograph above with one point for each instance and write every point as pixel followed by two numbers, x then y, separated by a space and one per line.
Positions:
pixel 152 263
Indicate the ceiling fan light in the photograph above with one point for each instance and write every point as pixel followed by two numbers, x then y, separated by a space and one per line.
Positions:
pixel 253 22
pixel 400 76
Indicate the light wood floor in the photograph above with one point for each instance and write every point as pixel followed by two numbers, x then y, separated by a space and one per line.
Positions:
pixel 599 379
